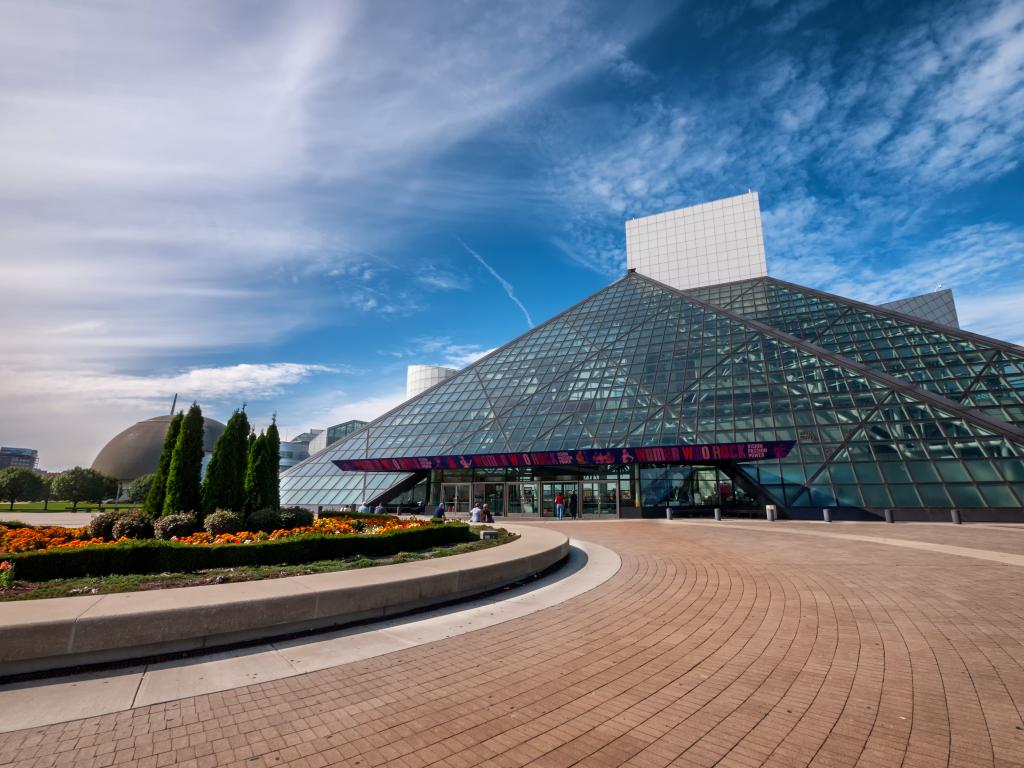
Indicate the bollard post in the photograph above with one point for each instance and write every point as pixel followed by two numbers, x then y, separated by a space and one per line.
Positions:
pixel 826 515
pixel 718 514
pixel 769 511
pixel 955 515
pixel 888 515
pixel 668 513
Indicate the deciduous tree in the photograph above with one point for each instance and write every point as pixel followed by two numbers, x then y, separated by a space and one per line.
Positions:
pixel 20 484
pixel 81 484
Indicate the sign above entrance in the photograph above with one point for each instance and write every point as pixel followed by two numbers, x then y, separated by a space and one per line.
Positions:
pixel 669 454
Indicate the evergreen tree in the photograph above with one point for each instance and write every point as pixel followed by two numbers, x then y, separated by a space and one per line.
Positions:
pixel 255 472
pixel 224 486
pixel 183 492
pixel 272 488
pixel 153 507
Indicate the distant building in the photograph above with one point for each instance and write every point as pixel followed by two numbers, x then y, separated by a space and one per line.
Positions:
pixel 136 451
pixel 331 435
pixel 18 457
pixel 297 449
pixel 420 378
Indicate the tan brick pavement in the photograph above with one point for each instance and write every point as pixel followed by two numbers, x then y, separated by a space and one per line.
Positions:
pixel 712 646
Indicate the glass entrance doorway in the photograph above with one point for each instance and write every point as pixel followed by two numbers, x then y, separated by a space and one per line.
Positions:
pixel 522 498
pixel 491 494
pixel 456 496
pixel 550 492
pixel 599 498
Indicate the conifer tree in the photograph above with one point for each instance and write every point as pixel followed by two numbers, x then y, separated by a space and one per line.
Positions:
pixel 255 486
pixel 153 507
pixel 224 485
pixel 183 492
pixel 272 488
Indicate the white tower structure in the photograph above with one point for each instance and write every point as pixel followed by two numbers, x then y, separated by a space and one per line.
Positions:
pixel 420 378
pixel 706 244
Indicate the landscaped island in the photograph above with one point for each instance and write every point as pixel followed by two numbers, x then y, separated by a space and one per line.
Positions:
pixel 128 544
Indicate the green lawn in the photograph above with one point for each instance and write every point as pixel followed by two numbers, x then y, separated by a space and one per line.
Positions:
pixel 61 506
pixel 23 590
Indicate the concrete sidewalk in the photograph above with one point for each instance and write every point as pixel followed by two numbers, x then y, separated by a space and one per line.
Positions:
pixel 713 645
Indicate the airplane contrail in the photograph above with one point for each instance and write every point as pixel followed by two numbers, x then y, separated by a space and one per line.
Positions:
pixel 504 283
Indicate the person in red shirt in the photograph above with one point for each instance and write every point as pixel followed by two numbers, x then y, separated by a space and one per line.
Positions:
pixel 559 505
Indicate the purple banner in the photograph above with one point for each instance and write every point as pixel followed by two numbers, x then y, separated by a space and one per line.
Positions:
pixel 673 454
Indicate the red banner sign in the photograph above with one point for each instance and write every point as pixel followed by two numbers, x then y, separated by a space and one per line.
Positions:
pixel 668 454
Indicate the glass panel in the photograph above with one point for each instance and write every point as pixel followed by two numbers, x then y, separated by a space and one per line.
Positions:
pixel 522 499
pixel 598 498
pixel 965 496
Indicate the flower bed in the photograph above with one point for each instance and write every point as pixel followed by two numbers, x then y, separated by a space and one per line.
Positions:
pixel 29 539
pixel 40 554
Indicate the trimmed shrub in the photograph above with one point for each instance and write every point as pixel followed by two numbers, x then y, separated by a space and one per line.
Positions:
pixel 102 526
pixel 267 519
pixel 169 526
pixel 223 521
pixel 154 556
pixel 132 525
pixel 294 517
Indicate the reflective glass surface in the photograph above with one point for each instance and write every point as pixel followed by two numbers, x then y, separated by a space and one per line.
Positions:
pixel 639 364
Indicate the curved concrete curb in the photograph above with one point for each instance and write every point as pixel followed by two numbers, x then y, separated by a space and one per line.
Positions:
pixel 63 632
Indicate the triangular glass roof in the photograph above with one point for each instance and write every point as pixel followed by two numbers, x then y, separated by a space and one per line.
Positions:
pixel 982 373
pixel 642 364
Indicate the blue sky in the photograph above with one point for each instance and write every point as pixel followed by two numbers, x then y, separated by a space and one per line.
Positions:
pixel 287 203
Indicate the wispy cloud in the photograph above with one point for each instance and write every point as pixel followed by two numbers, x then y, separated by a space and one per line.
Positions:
pixel 440 350
pixel 505 284
pixel 178 168
pixel 851 145
pixel 52 408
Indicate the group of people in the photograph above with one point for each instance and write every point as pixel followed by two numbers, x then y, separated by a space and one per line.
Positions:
pixel 563 506
pixel 477 514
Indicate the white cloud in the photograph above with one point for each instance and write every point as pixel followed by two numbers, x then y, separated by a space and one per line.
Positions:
pixel 70 416
pixel 186 178
pixel 440 350
pixel 327 409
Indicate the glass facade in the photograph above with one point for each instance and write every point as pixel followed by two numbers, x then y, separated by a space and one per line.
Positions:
pixel 886 410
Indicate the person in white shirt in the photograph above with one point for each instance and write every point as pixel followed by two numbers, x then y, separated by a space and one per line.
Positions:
pixel 474 514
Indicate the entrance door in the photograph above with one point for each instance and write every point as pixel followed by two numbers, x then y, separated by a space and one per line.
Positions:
pixel 457 495
pixel 550 491
pixel 522 499
pixel 491 494
pixel 599 498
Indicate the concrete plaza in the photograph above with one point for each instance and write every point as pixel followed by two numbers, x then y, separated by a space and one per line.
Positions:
pixel 732 644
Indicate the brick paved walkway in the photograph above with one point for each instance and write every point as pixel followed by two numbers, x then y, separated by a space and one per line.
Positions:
pixel 712 646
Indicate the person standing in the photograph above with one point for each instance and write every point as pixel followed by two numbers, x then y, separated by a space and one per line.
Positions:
pixel 572 505
pixel 559 505
pixel 474 514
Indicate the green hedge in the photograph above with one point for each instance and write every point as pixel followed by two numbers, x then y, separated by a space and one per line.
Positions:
pixel 154 556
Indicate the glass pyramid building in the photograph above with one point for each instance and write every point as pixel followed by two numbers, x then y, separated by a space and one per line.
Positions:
pixel 882 410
